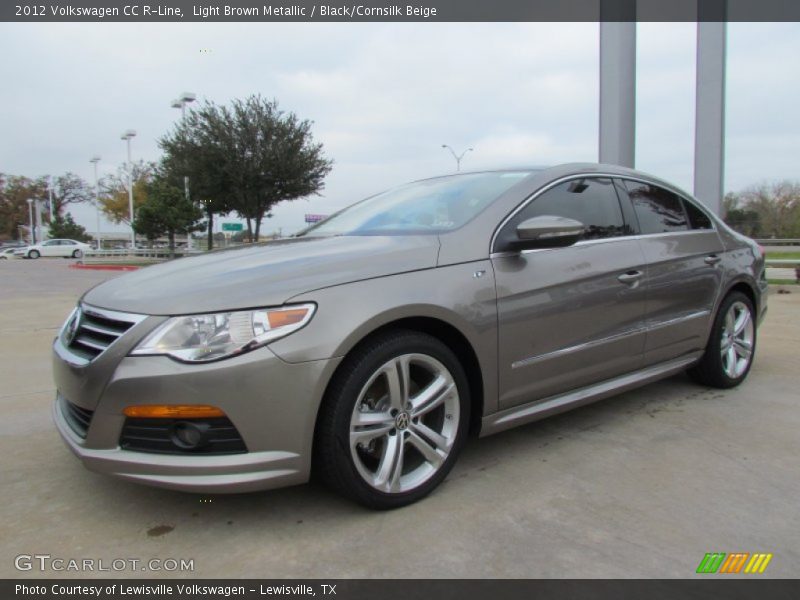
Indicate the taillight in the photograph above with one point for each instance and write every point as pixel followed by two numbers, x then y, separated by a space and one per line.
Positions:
pixel 761 250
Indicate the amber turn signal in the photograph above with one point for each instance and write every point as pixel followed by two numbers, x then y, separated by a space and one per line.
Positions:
pixel 282 318
pixel 173 411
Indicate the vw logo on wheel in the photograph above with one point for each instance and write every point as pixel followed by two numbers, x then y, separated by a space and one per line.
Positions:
pixel 401 421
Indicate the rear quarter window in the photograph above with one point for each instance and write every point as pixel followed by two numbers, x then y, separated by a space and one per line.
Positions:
pixel 697 218
pixel 658 210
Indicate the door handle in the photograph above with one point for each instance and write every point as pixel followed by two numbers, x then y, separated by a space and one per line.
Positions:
pixel 712 259
pixel 630 277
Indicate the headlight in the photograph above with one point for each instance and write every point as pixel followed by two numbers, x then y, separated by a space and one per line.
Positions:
pixel 203 338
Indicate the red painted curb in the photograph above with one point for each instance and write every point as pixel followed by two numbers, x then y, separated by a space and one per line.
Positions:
pixel 105 267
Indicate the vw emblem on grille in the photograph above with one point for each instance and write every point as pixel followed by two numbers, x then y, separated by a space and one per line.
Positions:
pixel 401 421
pixel 72 327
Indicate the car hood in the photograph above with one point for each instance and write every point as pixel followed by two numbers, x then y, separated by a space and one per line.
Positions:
pixel 261 275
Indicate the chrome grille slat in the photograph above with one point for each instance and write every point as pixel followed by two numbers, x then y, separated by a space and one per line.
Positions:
pixel 84 341
pixel 98 329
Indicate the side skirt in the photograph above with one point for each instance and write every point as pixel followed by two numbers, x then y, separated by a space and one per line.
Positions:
pixel 539 409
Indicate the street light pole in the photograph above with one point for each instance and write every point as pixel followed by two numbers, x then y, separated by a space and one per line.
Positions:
pixel 181 102
pixel 127 136
pixel 50 194
pixel 31 233
pixel 94 160
pixel 458 157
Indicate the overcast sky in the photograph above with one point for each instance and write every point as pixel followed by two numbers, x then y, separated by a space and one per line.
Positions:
pixel 385 97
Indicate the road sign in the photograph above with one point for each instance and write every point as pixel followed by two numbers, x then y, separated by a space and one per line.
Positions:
pixel 311 218
pixel 232 227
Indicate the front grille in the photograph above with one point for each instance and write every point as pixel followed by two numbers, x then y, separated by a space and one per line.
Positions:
pixel 97 331
pixel 77 418
pixel 157 435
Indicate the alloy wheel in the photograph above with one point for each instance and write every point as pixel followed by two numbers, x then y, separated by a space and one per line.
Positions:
pixel 736 345
pixel 404 423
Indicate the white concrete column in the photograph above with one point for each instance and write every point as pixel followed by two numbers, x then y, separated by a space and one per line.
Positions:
pixel 617 143
pixel 709 135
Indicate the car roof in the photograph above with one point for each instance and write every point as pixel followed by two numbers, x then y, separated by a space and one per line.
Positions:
pixel 541 172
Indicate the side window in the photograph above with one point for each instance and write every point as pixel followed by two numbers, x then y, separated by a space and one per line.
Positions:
pixel 697 218
pixel 51 243
pixel 593 202
pixel 658 210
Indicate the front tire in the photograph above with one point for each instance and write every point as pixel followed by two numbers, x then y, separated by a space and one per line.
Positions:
pixel 394 420
pixel 34 254
pixel 732 345
pixel 77 254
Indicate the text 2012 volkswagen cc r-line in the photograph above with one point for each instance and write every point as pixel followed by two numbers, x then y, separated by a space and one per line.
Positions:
pixel 366 348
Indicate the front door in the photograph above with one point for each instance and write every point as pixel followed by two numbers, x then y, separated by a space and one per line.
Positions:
pixel 568 317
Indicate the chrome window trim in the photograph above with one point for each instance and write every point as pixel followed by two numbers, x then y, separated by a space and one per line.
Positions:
pixel 620 238
pixel 612 338
pixel 612 176
pixel 683 196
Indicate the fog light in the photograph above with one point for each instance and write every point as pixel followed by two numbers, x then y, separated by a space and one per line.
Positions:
pixel 189 436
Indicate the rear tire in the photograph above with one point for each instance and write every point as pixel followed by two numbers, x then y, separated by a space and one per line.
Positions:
pixel 393 421
pixel 731 346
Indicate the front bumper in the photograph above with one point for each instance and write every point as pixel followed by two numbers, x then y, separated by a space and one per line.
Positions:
pixel 203 474
pixel 272 403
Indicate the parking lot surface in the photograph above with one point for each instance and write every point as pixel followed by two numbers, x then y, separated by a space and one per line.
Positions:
pixel 641 485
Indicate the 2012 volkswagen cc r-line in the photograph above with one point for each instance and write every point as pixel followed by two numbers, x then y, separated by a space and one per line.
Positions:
pixel 368 347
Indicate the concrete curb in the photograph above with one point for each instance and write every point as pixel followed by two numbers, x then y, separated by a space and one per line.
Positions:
pixel 104 267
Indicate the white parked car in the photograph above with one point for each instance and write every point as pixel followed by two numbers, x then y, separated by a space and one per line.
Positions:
pixel 7 253
pixel 63 248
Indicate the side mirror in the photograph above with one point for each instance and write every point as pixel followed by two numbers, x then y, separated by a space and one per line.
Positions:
pixel 548 232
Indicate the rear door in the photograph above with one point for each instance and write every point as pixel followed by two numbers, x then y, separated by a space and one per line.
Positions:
pixel 51 248
pixel 568 317
pixel 683 251
pixel 67 247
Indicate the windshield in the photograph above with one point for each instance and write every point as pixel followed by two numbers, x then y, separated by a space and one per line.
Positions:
pixel 429 206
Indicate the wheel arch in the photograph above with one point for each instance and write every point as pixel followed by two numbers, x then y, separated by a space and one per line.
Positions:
pixel 746 288
pixel 738 285
pixel 448 334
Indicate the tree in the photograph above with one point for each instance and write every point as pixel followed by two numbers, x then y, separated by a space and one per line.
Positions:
pixel 14 193
pixel 114 191
pixel 742 220
pixel 774 208
pixel 69 189
pixel 65 227
pixel 192 149
pixel 248 157
pixel 166 212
